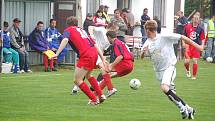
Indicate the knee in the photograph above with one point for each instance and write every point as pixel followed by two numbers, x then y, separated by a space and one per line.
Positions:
pixel 164 88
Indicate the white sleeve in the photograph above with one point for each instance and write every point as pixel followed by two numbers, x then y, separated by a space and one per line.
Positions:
pixel 172 38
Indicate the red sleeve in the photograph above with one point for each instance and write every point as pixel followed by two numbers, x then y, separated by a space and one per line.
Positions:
pixel 118 50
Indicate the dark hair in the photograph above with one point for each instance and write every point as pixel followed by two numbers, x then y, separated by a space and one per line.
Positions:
pixel 125 10
pixel 51 20
pixel 72 21
pixel 39 22
pixel 111 34
pixel 6 24
pixel 145 9
pixel 99 11
pixel 117 10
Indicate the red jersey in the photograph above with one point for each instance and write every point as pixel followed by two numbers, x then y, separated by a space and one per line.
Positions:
pixel 78 39
pixel 119 48
pixel 194 33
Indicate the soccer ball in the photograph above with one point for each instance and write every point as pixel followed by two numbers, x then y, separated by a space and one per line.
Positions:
pixel 209 59
pixel 134 84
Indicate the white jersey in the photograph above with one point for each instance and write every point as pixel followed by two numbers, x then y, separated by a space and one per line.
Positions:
pixel 161 50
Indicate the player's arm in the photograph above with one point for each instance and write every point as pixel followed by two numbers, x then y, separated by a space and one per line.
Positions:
pixel 62 46
pixel 116 61
pixel 99 52
pixel 190 42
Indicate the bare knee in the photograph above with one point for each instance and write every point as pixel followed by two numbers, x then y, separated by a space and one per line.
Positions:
pixel 164 88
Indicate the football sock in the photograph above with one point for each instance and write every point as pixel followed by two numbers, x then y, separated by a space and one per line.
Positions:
pixel 45 61
pixel 100 77
pixel 187 66
pixel 95 85
pixel 102 84
pixel 195 68
pixel 51 63
pixel 108 82
pixel 83 86
pixel 177 100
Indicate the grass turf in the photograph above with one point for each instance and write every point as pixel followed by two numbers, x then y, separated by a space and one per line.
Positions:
pixel 43 96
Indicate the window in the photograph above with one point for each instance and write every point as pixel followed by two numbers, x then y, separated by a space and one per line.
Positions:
pixel 160 11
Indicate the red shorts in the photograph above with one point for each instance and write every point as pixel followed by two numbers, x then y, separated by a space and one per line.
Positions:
pixel 88 59
pixel 192 52
pixel 124 67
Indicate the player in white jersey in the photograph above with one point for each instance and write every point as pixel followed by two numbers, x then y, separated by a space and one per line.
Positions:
pixel 160 49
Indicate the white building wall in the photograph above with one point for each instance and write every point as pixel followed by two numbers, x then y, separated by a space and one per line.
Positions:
pixel 112 4
pixel 169 17
pixel 138 6
pixel 83 10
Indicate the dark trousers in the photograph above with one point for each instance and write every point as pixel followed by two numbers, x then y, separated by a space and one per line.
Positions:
pixel 23 60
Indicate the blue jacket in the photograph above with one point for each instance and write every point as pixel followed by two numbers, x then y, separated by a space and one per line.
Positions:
pixel 37 40
pixel 54 37
pixel 6 39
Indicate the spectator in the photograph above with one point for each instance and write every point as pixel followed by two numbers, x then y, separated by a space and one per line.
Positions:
pixel 88 22
pixel 130 18
pixel 105 13
pixel 17 43
pixel 181 22
pixel 10 55
pixel 38 42
pixel 158 23
pixel 118 20
pixel 210 49
pixel 100 31
pixel 143 20
pixel 54 37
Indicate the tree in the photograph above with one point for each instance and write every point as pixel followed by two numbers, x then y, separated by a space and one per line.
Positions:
pixel 203 6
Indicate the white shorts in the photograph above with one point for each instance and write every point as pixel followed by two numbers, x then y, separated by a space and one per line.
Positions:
pixel 99 60
pixel 167 76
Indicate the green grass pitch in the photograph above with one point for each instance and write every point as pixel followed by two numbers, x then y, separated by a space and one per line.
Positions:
pixel 43 96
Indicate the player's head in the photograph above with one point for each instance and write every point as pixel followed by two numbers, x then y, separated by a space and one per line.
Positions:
pixel 5 26
pixel 195 19
pixel 72 21
pixel 145 11
pixel 52 23
pixel 150 27
pixel 40 25
pixel 111 35
pixel 180 13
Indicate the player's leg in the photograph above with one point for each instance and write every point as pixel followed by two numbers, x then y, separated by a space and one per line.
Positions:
pixel 168 77
pixel 195 67
pixel 80 73
pixel 187 66
pixel 93 82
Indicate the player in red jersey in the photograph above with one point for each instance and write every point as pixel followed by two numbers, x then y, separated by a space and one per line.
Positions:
pixel 195 33
pixel 88 52
pixel 121 62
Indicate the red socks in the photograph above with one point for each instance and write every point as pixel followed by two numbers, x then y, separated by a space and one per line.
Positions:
pixel 102 84
pixel 187 66
pixel 84 87
pixel 46 62
pixel 107 80
pixel 195 69
pixel 95 85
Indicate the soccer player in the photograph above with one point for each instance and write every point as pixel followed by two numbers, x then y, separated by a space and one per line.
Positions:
pixel 88 53
pixel 121 62
pixel 161 51
pixel 196 34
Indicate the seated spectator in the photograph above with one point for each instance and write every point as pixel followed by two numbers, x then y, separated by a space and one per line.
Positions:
pixel 54 37
pixel 17 43
pixel 38 42
pixel 10 55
